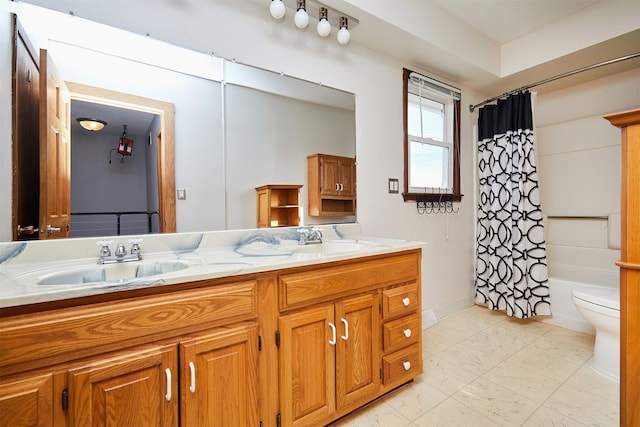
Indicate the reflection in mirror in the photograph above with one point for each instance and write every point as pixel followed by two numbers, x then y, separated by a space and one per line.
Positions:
pixel 256 129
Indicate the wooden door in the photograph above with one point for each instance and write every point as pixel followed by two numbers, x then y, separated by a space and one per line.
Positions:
pixel 357 350
pixel 25 139
pixel 218 373
pixel 27 402
pixel 55 152
pixel 134 388
pixel 307 366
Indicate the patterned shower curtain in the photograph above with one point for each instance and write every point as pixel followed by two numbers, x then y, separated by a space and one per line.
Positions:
pixel 511 263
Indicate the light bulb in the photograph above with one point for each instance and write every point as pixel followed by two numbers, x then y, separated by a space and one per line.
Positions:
pixel 301 18
pixel 343 34
pixel 324 27
pixel 277 9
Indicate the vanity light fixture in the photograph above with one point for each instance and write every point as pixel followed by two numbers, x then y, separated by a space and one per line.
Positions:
pixel 277 9
pixel 92 125
pixel 324 27
pixel 327 17
pixel 301 17
pixel 343 34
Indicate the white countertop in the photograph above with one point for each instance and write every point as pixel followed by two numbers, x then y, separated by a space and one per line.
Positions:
pixel 28 268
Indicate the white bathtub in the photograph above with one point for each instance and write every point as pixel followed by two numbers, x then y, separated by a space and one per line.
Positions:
pixel 564 311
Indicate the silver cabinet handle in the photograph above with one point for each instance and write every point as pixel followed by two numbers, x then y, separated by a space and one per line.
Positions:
pixel 407 332
pixel 192 369
pixel 346 329
pixel 168 374
pixel 406 365
pixel 406 301
pixel 333 332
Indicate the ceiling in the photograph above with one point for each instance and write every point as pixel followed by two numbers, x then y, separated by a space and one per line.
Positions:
pixel 137 122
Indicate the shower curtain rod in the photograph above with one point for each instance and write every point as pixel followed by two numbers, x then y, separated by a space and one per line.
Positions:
pixel 550 79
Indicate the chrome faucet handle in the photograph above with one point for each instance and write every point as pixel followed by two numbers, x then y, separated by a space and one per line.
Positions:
pixel 105 250
pixel 121 250
pixel 135 246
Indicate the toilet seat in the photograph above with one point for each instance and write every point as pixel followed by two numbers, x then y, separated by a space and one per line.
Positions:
pixel 604 297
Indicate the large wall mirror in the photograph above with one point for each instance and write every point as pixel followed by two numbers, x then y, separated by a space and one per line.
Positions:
pixel 236 127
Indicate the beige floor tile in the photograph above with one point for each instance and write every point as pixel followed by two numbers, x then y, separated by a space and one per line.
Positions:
pixel 454 329
pixel 572 337
pixel 378 414
pixel 531 325
pixel 586 379
pixel 500 338
pixel 415 399
pixel 496 403
pixel 584 407
pixel 529 384
pixel 545 417
pixel 561 349
pixel 470 359
pixel 544 364
pixel 452 413
pixel 445 376
pixel 433 343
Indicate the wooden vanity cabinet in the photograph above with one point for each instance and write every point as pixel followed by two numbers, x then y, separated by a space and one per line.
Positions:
pixel 332 185
pixel 28 401
pixel 332 324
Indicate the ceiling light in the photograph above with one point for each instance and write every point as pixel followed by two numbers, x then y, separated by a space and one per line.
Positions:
pixel 324 27
pixel 277 9
pixel 301 17
pixel 344 35
pixel 92 125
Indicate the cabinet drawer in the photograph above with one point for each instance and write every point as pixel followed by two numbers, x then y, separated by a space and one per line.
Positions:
pixel 326 284
pixel 401 332
pixel 402 365
pixel 400 301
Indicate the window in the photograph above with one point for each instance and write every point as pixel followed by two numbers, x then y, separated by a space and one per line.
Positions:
pixel 432 139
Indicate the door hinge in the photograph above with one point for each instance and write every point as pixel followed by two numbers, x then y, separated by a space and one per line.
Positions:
pixel 380 373
pixel 65 399
pixel 278 420
pixel 278 338
pixel 260 347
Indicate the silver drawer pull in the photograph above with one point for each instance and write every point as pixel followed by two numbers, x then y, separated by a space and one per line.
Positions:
pixel 406 301
pixel 407 332
pixel 407 365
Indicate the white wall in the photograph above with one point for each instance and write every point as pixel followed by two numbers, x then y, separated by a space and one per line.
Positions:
pixel 579 165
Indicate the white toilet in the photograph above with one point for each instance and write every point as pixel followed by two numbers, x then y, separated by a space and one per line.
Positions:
pixel 601 307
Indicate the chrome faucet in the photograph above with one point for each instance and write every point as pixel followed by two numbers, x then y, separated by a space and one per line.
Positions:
pixel 309 235
pixel 121 252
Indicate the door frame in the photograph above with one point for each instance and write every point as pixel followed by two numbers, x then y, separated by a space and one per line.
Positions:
pixel 165 146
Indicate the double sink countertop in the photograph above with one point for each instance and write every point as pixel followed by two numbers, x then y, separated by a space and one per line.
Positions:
pixel 42 271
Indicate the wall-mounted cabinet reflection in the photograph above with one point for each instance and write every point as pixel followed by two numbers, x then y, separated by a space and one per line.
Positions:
pixel 332 185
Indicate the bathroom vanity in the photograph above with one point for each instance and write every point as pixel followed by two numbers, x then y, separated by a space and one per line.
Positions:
pixel 238 328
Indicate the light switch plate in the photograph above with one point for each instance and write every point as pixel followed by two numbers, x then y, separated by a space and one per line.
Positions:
pixel 182 194
pixel 394 185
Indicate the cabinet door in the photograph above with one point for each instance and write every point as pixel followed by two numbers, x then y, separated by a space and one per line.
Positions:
pixel 134 388
pixel 357 350
pixel 307 366
pixel 27 402
pixel 329 174
pixel 347 177
pixel 219 378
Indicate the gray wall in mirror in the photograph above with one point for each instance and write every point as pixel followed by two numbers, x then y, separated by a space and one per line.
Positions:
pixel 256 129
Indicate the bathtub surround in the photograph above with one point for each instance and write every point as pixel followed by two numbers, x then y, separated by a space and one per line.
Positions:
pixel 511 266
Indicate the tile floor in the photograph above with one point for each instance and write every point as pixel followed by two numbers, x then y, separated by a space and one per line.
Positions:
pixel 482 368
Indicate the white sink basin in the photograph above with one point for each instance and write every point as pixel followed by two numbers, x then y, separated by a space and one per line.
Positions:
pixel 111 272
pixel 329 248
